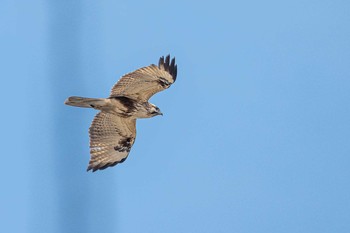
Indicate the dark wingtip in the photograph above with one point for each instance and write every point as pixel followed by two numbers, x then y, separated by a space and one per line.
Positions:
pixel 169 66
pixel 104 166
pixel 161 62
pixel 91 168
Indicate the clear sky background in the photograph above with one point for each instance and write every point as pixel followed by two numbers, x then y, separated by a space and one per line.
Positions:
pixel 255 135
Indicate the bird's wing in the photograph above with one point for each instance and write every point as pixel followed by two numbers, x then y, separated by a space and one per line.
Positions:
pixel 143 83
pixel 111 138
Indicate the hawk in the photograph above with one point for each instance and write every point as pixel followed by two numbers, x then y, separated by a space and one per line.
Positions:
pixel 113 129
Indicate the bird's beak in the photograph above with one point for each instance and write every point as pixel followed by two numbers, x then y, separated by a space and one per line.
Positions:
pixel 160 113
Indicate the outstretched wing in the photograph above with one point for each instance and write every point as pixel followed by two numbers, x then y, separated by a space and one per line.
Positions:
pixel 111 139
pixel 145 82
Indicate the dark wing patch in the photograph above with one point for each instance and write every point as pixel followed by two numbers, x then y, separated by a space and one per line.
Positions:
pixel 111 139
pixel 124 145
pixel 163 82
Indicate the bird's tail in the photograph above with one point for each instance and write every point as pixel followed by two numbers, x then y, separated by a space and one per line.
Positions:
pixel 85 102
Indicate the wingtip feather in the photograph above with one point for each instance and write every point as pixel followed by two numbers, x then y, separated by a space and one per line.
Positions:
pixel 168 65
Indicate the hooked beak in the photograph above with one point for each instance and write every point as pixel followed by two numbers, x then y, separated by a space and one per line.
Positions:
pixel 160 113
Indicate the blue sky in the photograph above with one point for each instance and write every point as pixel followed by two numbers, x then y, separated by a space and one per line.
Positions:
pixel 255 133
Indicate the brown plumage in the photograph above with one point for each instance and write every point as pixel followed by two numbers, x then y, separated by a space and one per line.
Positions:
pixel 113 130
pixel 145 82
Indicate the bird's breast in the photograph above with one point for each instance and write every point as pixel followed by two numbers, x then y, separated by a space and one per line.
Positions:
pixel 123 106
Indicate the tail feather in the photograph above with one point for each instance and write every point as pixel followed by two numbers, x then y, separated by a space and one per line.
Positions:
pixel 85 102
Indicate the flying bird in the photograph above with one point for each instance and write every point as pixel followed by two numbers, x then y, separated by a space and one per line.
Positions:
pixel 113 129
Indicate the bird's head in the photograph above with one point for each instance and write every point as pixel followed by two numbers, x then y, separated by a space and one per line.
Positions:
pixel 154 110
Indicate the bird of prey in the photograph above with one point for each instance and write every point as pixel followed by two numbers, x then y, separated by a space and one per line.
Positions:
pixel 113 130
